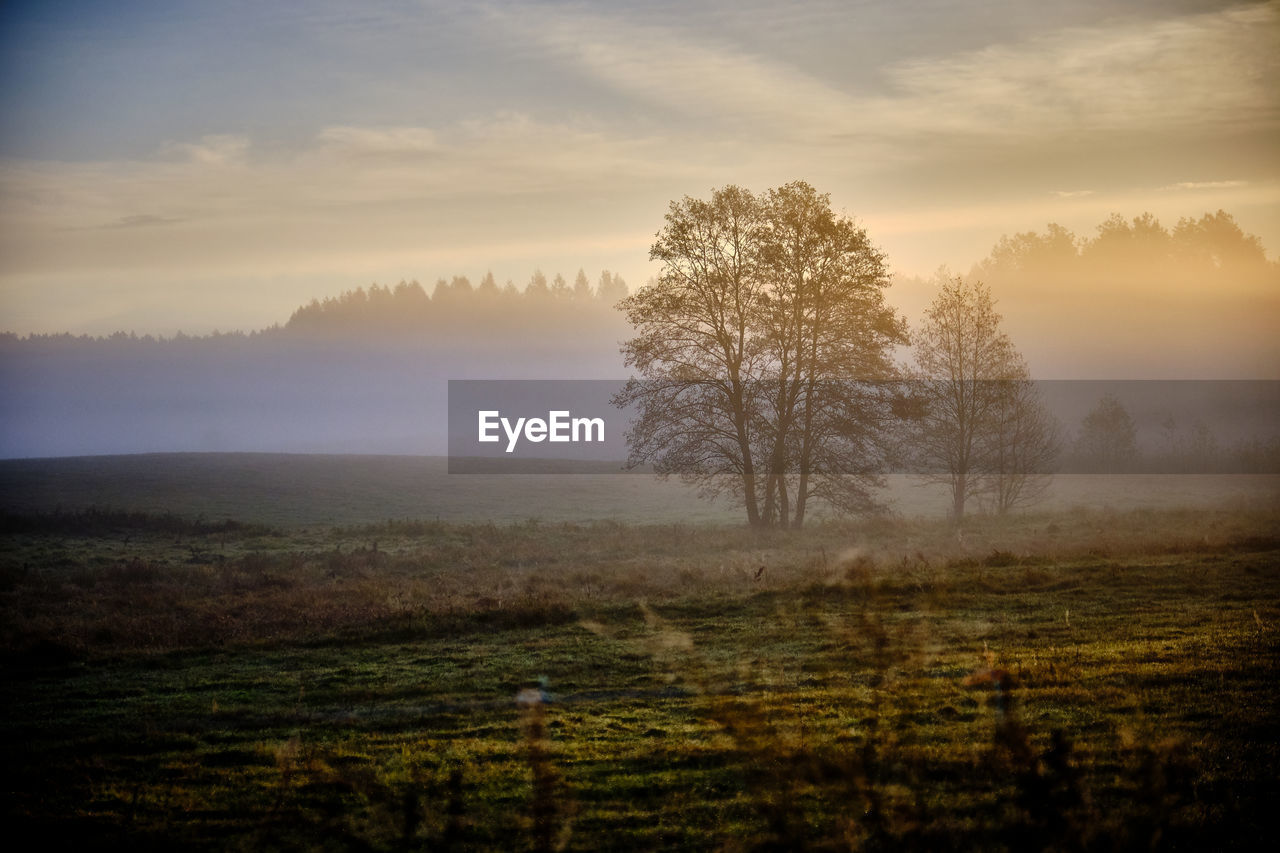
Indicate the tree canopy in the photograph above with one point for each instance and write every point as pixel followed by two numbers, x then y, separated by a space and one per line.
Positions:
pixel 759 348
pixel 407 307
pixel 1194 251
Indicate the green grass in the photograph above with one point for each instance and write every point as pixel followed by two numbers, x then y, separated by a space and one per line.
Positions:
pixel 217 686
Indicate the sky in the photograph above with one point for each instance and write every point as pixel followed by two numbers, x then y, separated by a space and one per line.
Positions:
pixel 192 165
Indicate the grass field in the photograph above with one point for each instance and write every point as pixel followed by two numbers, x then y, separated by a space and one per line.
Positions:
pixel 1079 679
pixel 299 489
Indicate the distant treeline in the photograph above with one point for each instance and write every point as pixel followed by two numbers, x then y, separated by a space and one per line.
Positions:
pixel 407 305
pixel 362 372
pixel 453 306
pixel 1195 251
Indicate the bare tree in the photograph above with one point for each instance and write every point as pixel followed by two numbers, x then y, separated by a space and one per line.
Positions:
pixel 758 348
pixel 828 334
pixel 696 350
pixel 982 430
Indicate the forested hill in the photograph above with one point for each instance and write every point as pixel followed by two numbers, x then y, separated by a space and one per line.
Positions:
pixel 364 372
pixel 454 308
pixel 1139 299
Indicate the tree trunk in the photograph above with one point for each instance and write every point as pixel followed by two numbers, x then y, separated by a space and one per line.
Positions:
pixel 748 474
pixel 770 502
pixel 802 487
pixel 749 495
pixel 960 486
pixel 801 499
pixel 784 505
pixel 775 500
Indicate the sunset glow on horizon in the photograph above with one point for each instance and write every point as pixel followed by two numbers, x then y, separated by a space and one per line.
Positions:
pixel 193 166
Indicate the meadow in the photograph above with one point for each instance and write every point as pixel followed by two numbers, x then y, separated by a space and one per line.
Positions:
pixel 292 490
pixel 259 672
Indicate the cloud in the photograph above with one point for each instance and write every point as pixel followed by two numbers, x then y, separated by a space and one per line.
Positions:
pixel 142 220
pixel 1205 71
pixel 1194 71
pixel 379 141
pixel 352 195
pixel 213 150
pixel 708 80
pixel 1206 185
pixel 1073 193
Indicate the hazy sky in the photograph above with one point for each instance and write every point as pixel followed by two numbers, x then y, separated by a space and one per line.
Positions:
pixel 194 165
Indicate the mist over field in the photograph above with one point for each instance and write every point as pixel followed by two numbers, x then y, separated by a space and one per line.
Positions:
pixel 368 380
pixel 367 371
pixel 826 426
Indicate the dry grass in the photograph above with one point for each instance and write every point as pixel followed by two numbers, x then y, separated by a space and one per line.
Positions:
pixel 1089 680
pixel 97 582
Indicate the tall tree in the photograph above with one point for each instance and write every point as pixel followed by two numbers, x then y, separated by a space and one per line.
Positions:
pixel 488 287
pixel 611 288
pixel 560 287
pixel 756 347
pixel 983 430
pixel 828 332
pixel 696 348
pixel 537 286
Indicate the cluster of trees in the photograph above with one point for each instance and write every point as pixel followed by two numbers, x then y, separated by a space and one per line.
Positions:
pixel 765 361
pixel 407 305
pixel 453 304
pixel 764 366
pixel 1198 285
pixel 758 350
pixel 1195 251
